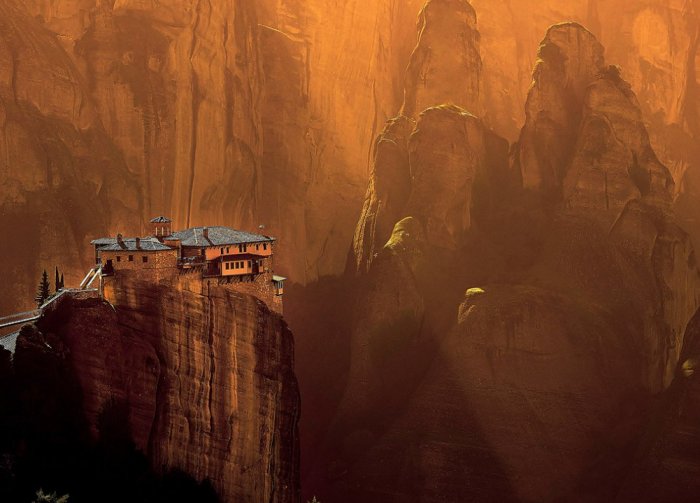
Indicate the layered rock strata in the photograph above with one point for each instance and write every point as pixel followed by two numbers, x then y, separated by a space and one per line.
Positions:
pixel 207 382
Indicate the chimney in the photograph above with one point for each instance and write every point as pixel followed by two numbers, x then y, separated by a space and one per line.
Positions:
pixel 205 233
pixel 138 243
pixel 120 240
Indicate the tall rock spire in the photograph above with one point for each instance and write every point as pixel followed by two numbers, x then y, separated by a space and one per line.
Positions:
pixel 584 141
pixel 445 67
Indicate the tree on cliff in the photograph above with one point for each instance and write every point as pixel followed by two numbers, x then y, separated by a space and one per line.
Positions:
pixel 58 281
pixel 44 290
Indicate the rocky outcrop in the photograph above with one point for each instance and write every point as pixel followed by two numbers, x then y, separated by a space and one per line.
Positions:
pixel 62 177
pixel 427 160
pixel 206 382
pixel 655 45
pixel 388 191
pixel 445 67
pixel 290 133
pixel 430 175
pixel 584 140
pixel 299 90
pixel 666 466
pixel 569 59
pixel 576 301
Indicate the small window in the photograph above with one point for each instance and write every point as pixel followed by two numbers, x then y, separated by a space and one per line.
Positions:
pixel 131 258
pixel 245 248
pixel 222 251
pixel 264 246
pixel 145 259
pixel 250 264
pixel 240 248
pixel 257 247
pixel 228 249
pixel 119 259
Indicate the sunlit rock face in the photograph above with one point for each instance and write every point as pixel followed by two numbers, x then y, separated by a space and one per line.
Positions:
pixel 577 299
pixel 445 67
pixel 654 43
pixel 584 140
pixel 569 59
pixel 237 113
pixel 63 179
pixel 427 159
pixel 206 383
pixel 388 191
pixel 263 113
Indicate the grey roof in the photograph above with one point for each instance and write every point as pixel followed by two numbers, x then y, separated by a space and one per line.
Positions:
pixel 161 220
pixel 218 236
pixel 279 278
pixel 129 244
pixel 103 241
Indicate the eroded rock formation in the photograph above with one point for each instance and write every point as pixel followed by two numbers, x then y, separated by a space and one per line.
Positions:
pixel 445 67
pixel 577 299
pixel 205 383
pixel 584 139
pixel 427 159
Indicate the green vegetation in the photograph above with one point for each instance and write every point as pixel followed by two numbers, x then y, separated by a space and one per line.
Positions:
pixel 58 281
pixel 44 291
pixel 42 497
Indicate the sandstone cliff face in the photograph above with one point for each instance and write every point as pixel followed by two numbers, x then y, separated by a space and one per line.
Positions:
pixel 654 43
pixel 666 468
pixel 568 60
pixel 295 92
pixel 63 179
pixel 427 159
pixel 574 316
pixel 584 139
pixel 445 67
pixel 207 382
pixel 244 113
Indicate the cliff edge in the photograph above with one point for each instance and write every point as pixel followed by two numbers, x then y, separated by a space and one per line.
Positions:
pixel 203 384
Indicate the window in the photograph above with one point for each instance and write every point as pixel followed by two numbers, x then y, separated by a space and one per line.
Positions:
pixel 240 248
pixel 250 264
pixel 145 259
pixel 119 259
pixel 131 258
pixel 228 249
pixel 222 251
pixel 264 246
pixel 257 247
pixel 245 248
